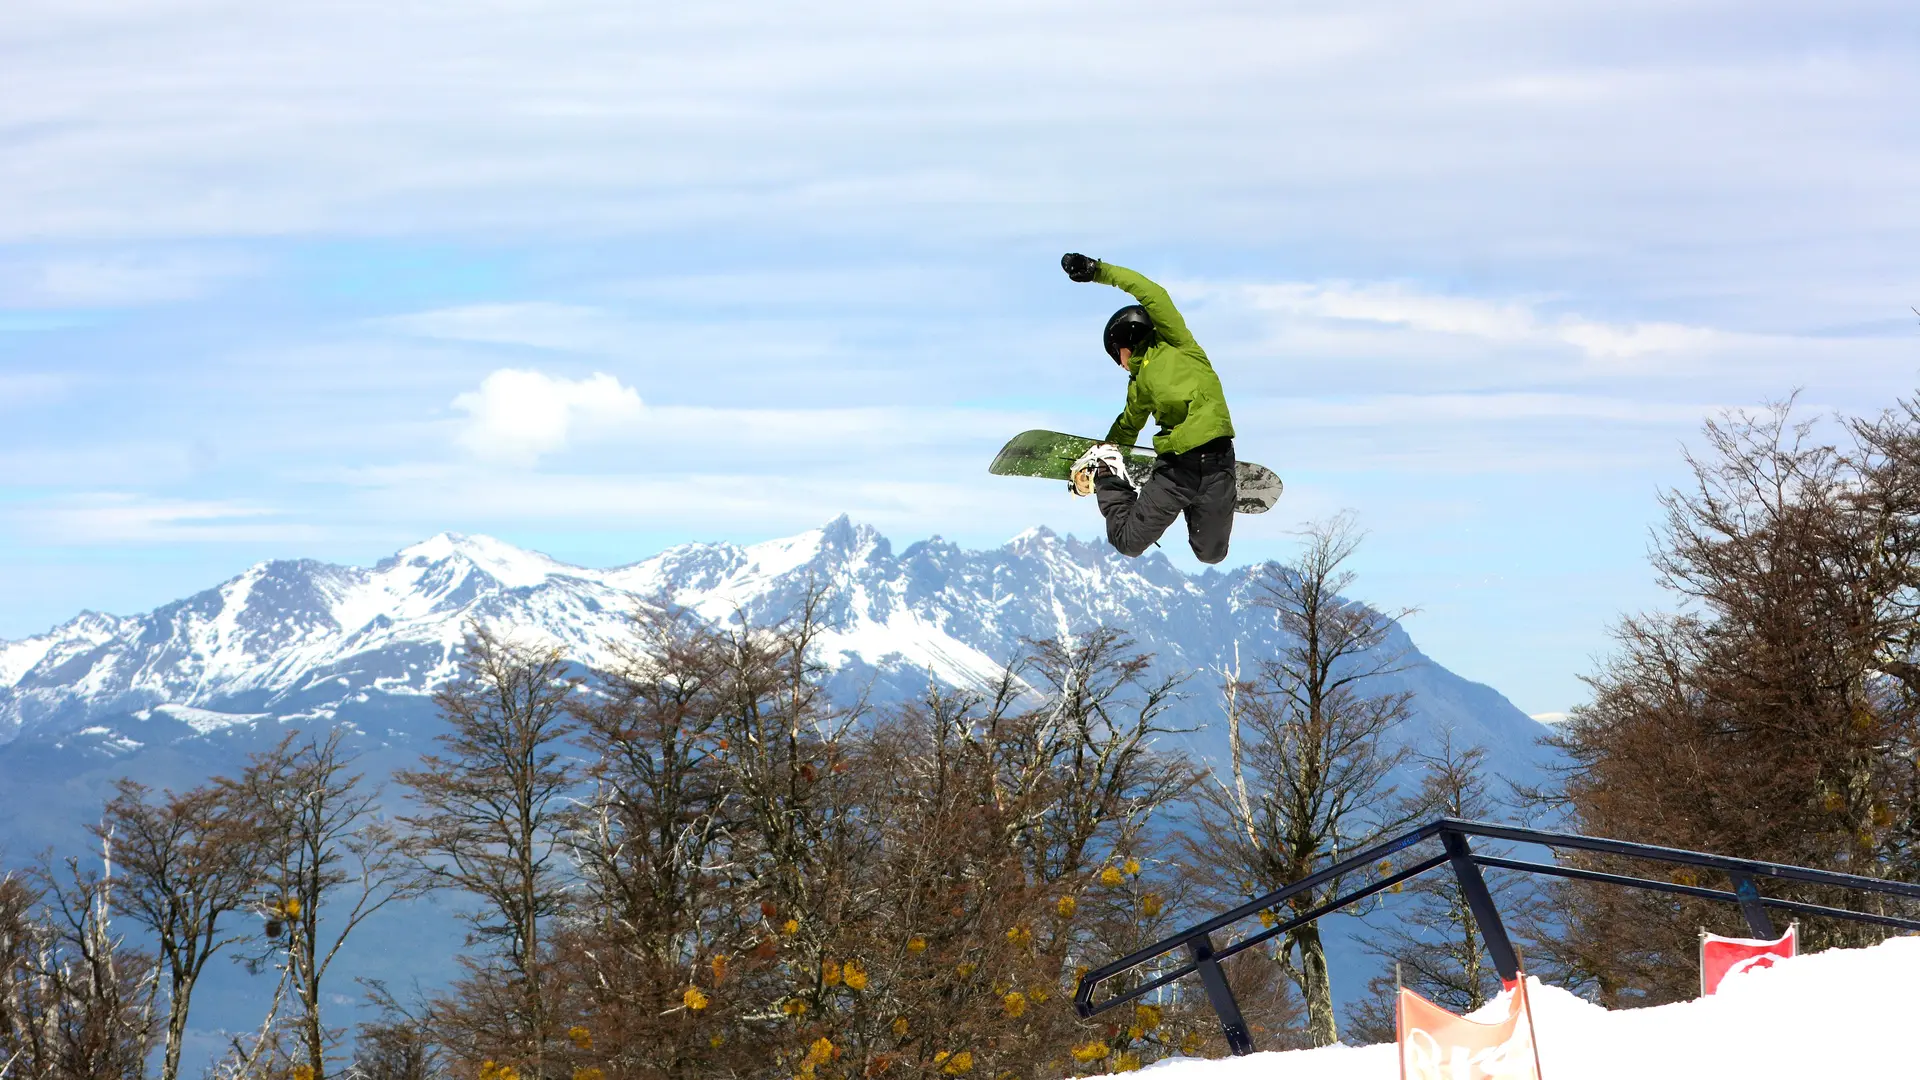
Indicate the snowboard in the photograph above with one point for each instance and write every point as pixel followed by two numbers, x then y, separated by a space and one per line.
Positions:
pixel 1050 455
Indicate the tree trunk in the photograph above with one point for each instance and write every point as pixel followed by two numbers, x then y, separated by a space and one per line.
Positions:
pixel 176 1028
pixel 1472 961
pixel 1316 986
pixel 311 1033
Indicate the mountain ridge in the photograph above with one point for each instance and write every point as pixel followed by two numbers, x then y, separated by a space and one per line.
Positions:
pixel 305 640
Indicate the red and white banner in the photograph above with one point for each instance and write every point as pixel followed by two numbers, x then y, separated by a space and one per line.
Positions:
pixel 1437 1045
pixel 1724 956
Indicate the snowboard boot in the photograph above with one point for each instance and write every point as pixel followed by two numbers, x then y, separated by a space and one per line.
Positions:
pixel 1098 463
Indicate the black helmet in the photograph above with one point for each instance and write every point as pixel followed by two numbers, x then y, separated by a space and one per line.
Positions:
pixel 1130 329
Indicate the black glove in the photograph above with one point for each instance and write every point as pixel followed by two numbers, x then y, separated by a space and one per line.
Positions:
pixel 1079 267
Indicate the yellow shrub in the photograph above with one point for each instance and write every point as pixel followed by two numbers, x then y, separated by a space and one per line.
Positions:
pixel 1092 1051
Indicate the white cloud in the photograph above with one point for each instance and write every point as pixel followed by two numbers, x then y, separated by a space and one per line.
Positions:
pixel 1475 410
pixel 124 518
pixel 1509 321
pixel 516 415
pixel 27 390
pixel 949 500
pixel 116 279
pixel 1448 135
pixel 564 327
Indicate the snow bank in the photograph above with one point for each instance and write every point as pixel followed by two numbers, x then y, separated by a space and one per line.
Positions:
pixel 1842 1013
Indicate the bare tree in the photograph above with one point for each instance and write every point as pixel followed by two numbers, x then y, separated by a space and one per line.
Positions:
pixel 395 1047
pixel 1017 847
pixel 1087 765
pixel 1775 714
pixel 1431 940
pixel 663 910
pixel 1309 767
pixel 327 855
pixel 490 824
pixel 187 862
pixel 75 1001
pixel 767 882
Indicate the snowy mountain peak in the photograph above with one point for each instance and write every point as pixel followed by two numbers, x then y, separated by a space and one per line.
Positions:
pixel 300 638
pixel 512 566
pixel 1036 537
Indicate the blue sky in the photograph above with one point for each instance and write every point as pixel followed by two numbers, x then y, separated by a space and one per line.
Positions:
pixel 320 280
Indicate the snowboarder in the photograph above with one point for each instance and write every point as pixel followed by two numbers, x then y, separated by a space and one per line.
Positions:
pixel 1169 377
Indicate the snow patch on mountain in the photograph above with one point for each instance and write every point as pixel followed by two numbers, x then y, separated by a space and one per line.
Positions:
pixel 300 639
pixel 85 631
pixel 200 720
pixel 516 568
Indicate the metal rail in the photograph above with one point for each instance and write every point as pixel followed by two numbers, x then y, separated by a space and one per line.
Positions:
pixel 1201 956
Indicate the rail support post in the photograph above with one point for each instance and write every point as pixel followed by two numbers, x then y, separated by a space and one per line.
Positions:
pixel 1752 908
pixel 1220 996
pixel 1480 903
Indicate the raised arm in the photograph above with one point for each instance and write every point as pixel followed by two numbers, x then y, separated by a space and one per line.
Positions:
pixel 1167 322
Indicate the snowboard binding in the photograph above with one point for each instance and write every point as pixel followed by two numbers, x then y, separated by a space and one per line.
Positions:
pixel 1103 459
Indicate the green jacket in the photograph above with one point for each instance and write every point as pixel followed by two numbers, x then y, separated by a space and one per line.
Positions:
pixel 1172 381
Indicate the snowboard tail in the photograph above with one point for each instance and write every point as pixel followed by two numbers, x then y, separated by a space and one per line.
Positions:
pixel 1050 455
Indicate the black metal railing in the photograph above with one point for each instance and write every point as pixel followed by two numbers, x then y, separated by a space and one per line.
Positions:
pixel 1457 852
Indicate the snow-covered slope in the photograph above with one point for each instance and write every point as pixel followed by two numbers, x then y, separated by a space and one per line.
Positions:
pixel 298 640
pixel 1841 1013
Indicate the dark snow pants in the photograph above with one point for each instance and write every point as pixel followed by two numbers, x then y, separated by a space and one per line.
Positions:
pixel 1198 483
